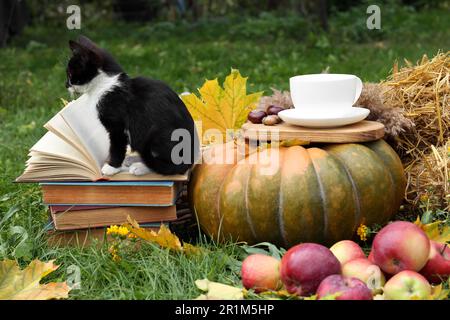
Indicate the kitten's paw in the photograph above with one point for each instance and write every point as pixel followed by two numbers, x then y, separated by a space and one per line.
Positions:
pixel 139 169
pixel 129 160
pixel 109 170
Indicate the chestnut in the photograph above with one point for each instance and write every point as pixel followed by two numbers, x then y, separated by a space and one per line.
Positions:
pixel 271 120
pixel 256 116
pixel 273 110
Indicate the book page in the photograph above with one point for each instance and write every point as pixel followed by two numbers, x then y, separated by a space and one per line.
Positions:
pixel 43 162
pixel 153 176
pixel 55 174
pixel 59 126
pixel 82 117
pixel 52 145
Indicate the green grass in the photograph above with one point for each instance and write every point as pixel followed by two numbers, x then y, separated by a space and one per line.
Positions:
pixel 267 49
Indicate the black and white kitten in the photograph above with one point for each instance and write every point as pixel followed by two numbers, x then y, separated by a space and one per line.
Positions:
pixel 141 112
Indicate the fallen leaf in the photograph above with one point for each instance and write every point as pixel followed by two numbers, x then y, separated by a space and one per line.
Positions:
pixel 17 284
pixel 313 297
pixel 439 293
pixel 218 291
pixel 331 296
pixel 64 101
pixel 221 108
pixel 281 294
pixel 164 238
pixel 438 231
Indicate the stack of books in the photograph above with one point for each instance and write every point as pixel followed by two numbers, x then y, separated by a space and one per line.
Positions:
pixel 67 161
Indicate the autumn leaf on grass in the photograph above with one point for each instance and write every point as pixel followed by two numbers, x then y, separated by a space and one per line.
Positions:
pixel 280 295
pixel 439 293
pixel 164 237
pixel 438 231
pixel 64 102
pixel 17 284
pixel 218 291
pixel 220 108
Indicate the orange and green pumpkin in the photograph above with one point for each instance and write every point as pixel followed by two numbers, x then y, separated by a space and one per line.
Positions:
pixel 307 194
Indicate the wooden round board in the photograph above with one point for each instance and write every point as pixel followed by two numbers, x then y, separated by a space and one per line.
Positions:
pixel 363 131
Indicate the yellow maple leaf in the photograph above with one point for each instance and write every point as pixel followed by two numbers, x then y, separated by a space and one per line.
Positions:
pixel 218 291
pixel 219 109
pixel 17 284
pixel 164 237
pixel 438 231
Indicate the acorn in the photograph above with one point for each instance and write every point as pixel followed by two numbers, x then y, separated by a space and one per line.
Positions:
pixel 273 110
pixel 256 116
pixel 271 120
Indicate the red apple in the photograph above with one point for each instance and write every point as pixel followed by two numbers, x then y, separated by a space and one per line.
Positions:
pixel 261 273
pixel 407 285
pixel 347 288
pixel 400 246
pixel 304 266
pixel 370 257
pixel 365 271
pixel 437 268
pixel 347 250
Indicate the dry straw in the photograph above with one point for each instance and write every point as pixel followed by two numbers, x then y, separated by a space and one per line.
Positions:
pixel 422 91
pixel 428 179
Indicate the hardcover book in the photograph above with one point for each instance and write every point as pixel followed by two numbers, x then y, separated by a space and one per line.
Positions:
pixel 104 217
pixel 131 193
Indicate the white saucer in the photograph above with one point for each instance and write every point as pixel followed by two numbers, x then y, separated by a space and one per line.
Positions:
pixel 323 118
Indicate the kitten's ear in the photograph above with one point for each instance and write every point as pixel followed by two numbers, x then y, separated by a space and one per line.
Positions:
pixel 95 53
pixel 88 43
pixel 75 46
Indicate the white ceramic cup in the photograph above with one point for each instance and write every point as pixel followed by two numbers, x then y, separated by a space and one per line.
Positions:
pixel 328 91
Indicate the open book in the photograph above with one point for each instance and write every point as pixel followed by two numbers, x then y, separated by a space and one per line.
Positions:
pixel 75 148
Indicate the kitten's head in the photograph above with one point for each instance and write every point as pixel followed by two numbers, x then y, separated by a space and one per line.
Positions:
pixel 87 62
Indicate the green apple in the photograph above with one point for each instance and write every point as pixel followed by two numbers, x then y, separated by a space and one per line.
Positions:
pixel 407 285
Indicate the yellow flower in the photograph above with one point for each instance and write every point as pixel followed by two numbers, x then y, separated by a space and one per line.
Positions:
pixel 116 258
pixel 123 231
pixel 112 230
pixel 116 230
pixel 424 197
pixel 114 253
pixel 132 236
pixel 363 232
pixel 113 249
